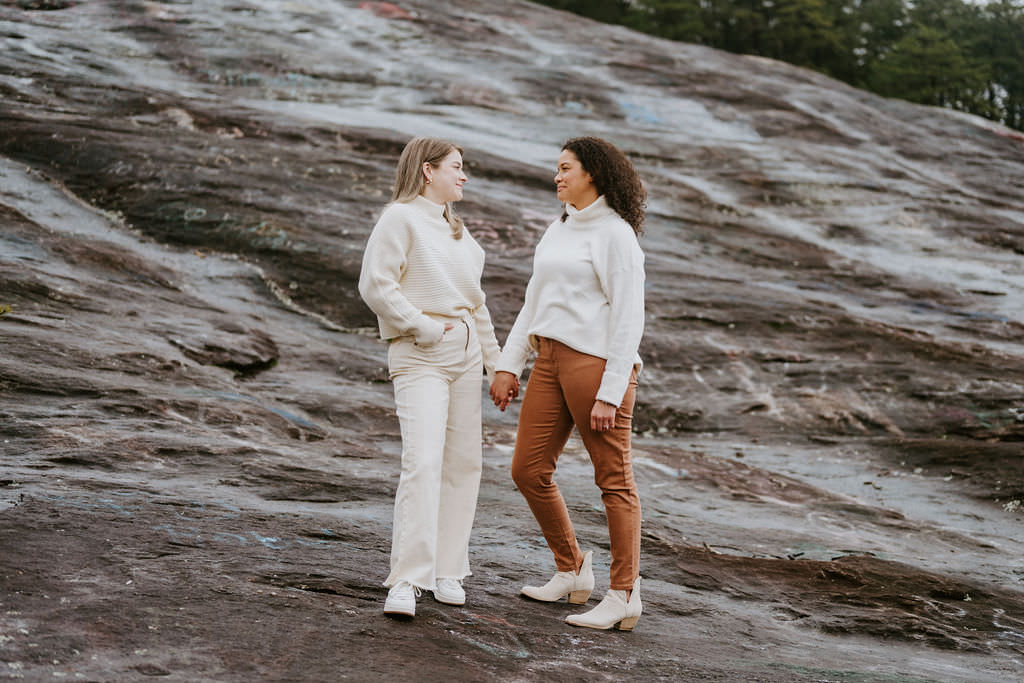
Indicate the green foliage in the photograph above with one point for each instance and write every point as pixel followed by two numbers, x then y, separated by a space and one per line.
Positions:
pixel 1003 50
pixel 950 53
pixel 680 20
pixel 608 11
pixel 868 28
pixel 927 66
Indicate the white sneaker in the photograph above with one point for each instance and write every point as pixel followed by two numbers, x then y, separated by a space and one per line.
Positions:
pixel 450 592
pixel 402 599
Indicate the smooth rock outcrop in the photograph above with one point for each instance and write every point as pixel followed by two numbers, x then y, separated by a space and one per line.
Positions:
pixel 198 451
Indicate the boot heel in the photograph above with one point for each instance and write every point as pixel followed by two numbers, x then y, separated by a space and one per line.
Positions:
pixel 579 597
pixel 628 623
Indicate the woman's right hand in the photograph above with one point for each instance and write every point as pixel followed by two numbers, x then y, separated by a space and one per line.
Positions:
pixel 504 388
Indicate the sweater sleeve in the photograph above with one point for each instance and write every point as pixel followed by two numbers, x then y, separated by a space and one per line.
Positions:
pixel 621 274
pixel 384 263
pixel 488 342
pixel 516 351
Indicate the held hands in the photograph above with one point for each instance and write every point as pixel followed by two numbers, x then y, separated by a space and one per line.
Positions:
pixel 504 388
pixel 602 416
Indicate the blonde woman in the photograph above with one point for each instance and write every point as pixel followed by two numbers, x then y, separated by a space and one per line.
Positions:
pixel 421 276
pixel 584 316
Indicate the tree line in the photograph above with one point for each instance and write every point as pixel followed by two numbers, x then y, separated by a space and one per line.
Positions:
pixel 948 53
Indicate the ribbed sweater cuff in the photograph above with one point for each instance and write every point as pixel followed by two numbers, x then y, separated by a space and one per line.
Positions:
pixel 506 366
pixel 613 388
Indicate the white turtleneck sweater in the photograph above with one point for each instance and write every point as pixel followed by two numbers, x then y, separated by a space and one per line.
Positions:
pixel 416 275
pixel 587 291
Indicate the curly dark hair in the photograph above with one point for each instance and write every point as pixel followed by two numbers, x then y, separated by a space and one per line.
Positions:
pixel 614 177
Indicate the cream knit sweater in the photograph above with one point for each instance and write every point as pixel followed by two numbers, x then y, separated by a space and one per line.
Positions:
pixel 416 276
pixel 587 291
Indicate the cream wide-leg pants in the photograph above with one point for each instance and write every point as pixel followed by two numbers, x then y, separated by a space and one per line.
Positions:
pixel 438 401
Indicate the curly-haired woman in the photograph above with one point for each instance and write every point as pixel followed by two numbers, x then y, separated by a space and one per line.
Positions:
pixel 584 316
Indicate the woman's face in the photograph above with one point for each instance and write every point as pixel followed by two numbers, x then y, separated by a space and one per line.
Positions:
pixel 574 185
pixel 446 179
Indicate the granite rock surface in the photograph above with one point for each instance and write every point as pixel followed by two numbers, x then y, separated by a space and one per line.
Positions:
pixel 198 451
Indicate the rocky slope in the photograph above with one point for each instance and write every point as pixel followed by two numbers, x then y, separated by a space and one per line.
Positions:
pixel 199 452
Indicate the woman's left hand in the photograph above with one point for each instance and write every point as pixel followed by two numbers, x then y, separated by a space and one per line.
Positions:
pixel 504 388
pixel 602 416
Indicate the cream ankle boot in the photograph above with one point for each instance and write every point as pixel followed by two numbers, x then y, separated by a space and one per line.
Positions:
pixel 577 585
pixel 613 610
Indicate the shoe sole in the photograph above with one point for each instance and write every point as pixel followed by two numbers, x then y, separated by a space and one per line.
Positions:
pixel 395 611
pixel 449 602
pixel 626 624
pixel 574 598
pixel 443 601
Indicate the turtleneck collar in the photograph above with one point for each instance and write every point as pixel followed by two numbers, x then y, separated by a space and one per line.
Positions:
pixel 427 206
pixel 598 209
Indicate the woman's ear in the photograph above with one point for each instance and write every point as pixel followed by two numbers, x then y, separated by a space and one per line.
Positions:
pixel 427 171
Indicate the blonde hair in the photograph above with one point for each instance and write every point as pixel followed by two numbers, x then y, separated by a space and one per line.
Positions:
pixel 409 178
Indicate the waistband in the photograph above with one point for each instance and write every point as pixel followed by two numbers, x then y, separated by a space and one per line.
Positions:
pixel 547 343
pixel 449 318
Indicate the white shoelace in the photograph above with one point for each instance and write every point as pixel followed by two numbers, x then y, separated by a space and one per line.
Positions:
pixel 415 590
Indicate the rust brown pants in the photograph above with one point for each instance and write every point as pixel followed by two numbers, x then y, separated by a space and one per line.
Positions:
pixel 560 395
